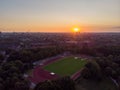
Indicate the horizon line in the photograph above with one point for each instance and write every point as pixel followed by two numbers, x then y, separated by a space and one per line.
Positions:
pixel 63 32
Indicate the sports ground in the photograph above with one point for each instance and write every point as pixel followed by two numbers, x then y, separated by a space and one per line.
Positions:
pixel 61 66
pixel 66 66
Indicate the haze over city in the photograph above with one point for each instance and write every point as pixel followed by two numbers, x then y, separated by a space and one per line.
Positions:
pixel 59 15
pixel 59 44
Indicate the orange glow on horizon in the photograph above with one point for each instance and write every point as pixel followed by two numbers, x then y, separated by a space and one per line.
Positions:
pixel 76 29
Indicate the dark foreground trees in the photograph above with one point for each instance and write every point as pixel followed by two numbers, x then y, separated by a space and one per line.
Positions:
pixel 11 76
pixel 92 71
pixel 102 68
pixel 64 83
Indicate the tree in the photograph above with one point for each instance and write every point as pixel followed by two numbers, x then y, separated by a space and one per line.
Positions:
pixel 19 64
pixel 108 71
pixel 1 57
pixel 1 86
pixel 85 73
pixel 92 71
pixel 64 83
pixel 21 85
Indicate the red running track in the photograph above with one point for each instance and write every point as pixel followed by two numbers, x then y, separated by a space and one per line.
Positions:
pixel 41 75
pixel 76 75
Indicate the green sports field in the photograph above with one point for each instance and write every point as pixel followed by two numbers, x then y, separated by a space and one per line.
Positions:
pixel 66 66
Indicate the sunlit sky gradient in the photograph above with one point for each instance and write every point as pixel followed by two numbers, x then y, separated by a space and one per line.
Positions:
pixel 59 15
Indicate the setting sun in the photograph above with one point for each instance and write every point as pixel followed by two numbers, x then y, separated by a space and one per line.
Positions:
pixel 76 29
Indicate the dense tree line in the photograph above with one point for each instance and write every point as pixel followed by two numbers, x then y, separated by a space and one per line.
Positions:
pixel 18 62
pixel 35 54
pixel 94 50
pixel 110 66
pixel 92 71
pixel 1 58
pixel 11 76
pixel 101 68
pixel 64 83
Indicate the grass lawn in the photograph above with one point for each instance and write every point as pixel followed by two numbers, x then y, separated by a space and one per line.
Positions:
pixel 66 66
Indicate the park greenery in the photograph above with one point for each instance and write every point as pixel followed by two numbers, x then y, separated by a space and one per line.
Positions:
pixel 103 67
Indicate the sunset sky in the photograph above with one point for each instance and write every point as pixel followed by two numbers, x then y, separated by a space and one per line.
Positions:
pixel 59 15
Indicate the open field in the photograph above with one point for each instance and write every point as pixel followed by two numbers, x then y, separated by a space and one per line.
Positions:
pixel 66 66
